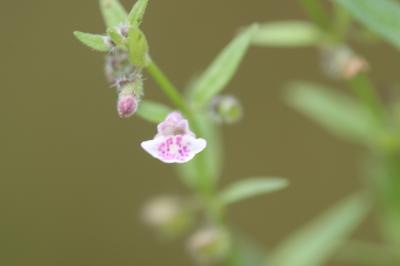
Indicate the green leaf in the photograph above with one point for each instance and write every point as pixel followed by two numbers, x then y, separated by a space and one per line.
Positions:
pixel 204 170
pixel 138 47
pixel 221 71
pixel 381 16
pixel 113 12
pixel 136 15
pixel 115 35
pixel 152 111
pixel 288 34
pixel 337 112
pixel 365 253
pixel 251 187
pixel 94 41
pixel 315 243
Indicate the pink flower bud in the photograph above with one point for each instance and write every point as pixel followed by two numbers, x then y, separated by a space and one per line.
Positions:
pixel 127 104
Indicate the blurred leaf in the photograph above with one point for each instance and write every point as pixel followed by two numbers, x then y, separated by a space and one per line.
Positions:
pixel 138 47
pixel 152 111
pixel 204 170
pixel 251 187
pixel 288 34
pixel 336 111
pixel 381 16
pixel 136 15
pixel 94 41
pixel 365 253
pixel 221 71
pixel 113 12
pixel 315 243
pixel 245 252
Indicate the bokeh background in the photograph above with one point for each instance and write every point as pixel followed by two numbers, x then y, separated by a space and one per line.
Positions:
pixel 72 174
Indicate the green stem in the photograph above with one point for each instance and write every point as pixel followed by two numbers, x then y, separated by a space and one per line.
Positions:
pixel 316 12
pixel 168 88
pixel 343 22
pixel 364 89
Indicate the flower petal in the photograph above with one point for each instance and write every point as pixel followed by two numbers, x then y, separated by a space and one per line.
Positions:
pixel 174 124
pixel 174 149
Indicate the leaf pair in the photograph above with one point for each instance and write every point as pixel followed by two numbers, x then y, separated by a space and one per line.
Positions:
pixel 114 13
pixel 115 16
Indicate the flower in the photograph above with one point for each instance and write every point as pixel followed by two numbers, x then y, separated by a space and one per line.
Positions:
pixel 174 142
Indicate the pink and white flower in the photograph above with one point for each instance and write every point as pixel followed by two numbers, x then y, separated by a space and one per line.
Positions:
pixel 174 142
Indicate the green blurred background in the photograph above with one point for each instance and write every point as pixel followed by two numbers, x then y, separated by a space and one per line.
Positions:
pixel 72 174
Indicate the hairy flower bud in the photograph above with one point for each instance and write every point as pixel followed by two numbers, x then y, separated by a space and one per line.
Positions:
pixel 209 245
pixel 130 91
pixel 226 109
pixel 117 65
pixel 340 62
pixel 169 215
pixel 127 105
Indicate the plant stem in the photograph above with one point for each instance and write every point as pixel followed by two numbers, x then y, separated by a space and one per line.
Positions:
pixel 364 89
pixel 168 88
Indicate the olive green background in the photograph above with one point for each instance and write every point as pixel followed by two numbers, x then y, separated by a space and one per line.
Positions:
pixel 72 174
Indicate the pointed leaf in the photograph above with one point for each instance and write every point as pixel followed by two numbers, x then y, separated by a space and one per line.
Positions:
pixel 221 71
pixel 153 111
pixel 136 15
pixel 336 111
pixel 380 16
pixel 113 12
pixel 138 47
pixel 288 34
pixel 315 243
pixel 251 187
pixel 115 36
pixel 94 41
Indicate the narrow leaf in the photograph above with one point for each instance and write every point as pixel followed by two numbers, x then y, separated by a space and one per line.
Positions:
pixel 336 111
pixel 251 187
pixel 221 71
pixel 115 35
pixel 113 12
pixel 288 34
pixel 315 243
pixel 94 41
pixel 138 47
pixel 136 15
pixel 152 111
pixel 380 16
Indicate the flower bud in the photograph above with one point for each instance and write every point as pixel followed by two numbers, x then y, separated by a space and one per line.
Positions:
pixel 130 91
pixel 170 216
pixel 209 245
pixel 127 104
pixel 226 109
pixel 340 62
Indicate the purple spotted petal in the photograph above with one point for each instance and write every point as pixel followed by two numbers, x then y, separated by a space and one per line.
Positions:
pixel 174 149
